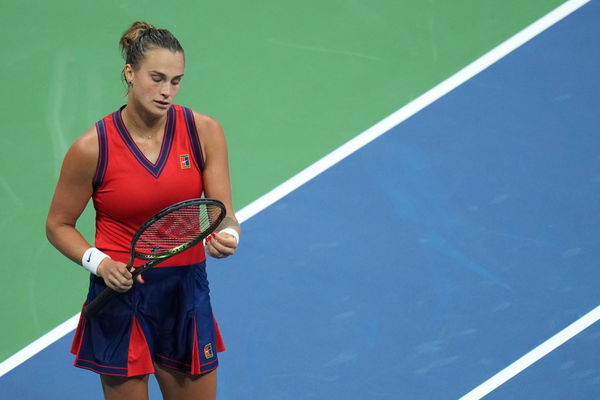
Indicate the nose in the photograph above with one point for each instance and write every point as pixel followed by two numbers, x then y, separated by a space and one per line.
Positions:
pixel 165 89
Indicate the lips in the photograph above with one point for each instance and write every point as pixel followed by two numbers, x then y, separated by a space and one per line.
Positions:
pixel 162 104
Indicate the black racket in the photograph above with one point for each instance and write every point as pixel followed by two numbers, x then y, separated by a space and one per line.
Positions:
pixel 169 232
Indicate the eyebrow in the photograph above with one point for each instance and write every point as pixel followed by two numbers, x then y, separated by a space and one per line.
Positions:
pixel 161 74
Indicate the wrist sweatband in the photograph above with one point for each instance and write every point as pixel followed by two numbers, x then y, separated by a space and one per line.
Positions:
pixel 232 232
pixel 91 259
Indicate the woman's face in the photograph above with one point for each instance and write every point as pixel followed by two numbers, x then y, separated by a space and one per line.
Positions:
pixel 155 83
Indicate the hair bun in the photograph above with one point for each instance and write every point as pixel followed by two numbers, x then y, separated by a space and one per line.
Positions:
pixel 142 37
pixel 135 31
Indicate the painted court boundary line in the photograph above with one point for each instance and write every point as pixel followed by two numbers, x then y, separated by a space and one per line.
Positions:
pixel 344 151
pixel 411 108
pixel 38 345
pixel 534 355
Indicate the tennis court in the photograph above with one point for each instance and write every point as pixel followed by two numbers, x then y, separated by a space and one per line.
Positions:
pixel 422 257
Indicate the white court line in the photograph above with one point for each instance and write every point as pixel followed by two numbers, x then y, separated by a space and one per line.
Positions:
pixel 38 345
pixel 345 150
pixel 411 108
pixel 534 355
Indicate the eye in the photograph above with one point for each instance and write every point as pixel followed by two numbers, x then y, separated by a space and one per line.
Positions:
pixel 176 81
pixel 156 78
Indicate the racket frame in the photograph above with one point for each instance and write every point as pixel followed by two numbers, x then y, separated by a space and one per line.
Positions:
pixel 91 309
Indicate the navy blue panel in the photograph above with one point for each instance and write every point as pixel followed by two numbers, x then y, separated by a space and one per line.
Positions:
pixel 193 135
pixel 102 154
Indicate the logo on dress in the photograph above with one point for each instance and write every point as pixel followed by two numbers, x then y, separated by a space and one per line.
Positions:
pixel 184 161
pixel 208 351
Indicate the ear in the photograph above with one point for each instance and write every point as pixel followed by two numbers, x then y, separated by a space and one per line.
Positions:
pixel 128 72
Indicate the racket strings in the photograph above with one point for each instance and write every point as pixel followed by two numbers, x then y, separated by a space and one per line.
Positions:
pixel 181 227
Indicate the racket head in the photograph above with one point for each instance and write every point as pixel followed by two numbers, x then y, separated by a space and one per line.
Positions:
pixel 176 228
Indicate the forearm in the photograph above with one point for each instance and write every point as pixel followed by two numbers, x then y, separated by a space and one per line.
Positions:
pixel 68 240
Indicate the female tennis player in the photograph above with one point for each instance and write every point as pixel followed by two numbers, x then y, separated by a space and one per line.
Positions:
pixel 147 155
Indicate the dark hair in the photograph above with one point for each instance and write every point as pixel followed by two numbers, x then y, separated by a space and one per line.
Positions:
pixel 141 37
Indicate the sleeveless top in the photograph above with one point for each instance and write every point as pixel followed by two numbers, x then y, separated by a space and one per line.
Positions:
pixel 129 189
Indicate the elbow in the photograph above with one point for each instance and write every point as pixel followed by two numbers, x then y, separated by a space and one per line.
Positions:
pixel 53 228
pixel 50 231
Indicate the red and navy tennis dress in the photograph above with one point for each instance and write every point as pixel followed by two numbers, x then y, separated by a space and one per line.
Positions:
pixel 168 319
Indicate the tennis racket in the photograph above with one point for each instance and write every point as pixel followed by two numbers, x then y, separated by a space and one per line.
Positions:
pixel 169 232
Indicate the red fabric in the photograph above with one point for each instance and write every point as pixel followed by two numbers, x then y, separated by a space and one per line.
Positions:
pixel 220 342
pixel 76 345
pixel 139 361
pixel 130 189
pixel 196 367
pixel 195 354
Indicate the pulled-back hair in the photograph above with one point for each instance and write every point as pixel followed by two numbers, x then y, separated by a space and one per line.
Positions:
pixel 141 37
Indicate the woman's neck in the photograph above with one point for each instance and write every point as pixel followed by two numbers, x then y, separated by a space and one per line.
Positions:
pixel 140 123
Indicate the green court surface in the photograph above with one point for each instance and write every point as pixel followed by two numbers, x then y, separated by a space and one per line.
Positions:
pixel 289 81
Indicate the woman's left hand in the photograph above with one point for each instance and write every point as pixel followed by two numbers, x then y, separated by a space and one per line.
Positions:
pixel 221 245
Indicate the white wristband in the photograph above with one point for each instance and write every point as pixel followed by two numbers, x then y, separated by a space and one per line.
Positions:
pixel 92 258
pixel 232 232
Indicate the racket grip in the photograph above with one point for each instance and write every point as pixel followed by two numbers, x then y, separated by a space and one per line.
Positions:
pixel 90 310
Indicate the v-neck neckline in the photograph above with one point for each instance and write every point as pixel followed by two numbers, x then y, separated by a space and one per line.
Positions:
pixel 154 168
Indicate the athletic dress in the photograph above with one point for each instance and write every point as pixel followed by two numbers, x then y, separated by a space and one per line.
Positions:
pixel 168 320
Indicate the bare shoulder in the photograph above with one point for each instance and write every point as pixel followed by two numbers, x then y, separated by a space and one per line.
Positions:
pixel 84 152
pixel 211 134
pixel 87 143
pixel 207 124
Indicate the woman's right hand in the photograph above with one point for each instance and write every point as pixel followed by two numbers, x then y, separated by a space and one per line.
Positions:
pixel 115 274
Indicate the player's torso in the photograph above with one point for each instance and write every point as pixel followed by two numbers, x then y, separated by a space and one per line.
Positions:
pixel 128 188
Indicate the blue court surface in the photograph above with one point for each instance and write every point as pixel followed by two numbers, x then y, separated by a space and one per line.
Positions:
pixel 427 261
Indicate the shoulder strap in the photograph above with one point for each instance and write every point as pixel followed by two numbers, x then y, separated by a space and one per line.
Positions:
pixel 194 138
pixel 102 154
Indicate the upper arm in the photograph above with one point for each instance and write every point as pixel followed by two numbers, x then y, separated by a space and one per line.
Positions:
pixel 75 183
pixel 217 184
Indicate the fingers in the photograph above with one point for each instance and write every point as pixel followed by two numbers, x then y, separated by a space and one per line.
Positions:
pixel 139 278
pixel 116 275
pixel 221 245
